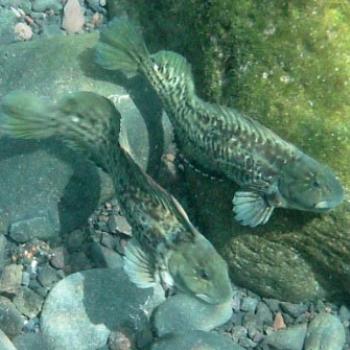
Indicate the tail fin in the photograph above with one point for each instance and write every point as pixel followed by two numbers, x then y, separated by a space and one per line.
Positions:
pixel 26 116
pixel 84 120
pixel 121 47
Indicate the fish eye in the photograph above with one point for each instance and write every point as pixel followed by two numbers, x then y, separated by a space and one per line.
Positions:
pixel 316 184
pixel 203 274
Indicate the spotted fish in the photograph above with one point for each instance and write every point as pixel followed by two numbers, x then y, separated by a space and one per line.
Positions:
pixel 166 248
pixel 270 171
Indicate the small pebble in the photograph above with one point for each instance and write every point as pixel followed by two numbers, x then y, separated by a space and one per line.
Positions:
pixel 73 17
pixel 278 323
pixel 48 276
pixel 273 304
pixel 23 31
pixel 294 310
pixel 11 279
pixel 236 302
pixel 247 343
pixel 249 304
pixel 25 278
pixel 344 313
pixel 28 302
pixel 291 338
pixel 32 325
pixel 123 225
pixel 122 339
pixel 263 314
pixel 11 321
pixel 58 257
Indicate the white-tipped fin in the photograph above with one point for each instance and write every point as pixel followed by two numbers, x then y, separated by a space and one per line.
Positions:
pixel 251 209
pixel 138 265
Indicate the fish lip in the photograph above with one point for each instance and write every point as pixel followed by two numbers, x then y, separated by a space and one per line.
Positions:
pixel 204 297
pixel 323 205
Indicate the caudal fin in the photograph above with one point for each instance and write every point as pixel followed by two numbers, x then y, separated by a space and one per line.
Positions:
pixel 121 47
pixel 86 121
pixel 26 116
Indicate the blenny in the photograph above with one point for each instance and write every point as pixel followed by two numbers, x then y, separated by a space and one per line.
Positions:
pixel 166 248
pixel 270 172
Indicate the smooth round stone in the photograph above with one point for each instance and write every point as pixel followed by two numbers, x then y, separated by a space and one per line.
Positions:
pixel 5 343
pixel 182 313
pixel 82 309
pixel 325 332
pixel 46 189
pixel 195 340
pixel 291 338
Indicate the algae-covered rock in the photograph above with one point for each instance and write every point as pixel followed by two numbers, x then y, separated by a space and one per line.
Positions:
pixel 287 65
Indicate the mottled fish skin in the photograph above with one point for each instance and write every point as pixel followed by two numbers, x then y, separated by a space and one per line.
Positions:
pixel 271 172
pixel 166 247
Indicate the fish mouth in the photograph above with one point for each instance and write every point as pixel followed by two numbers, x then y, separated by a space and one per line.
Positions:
pixel 323 205
pixel 205 298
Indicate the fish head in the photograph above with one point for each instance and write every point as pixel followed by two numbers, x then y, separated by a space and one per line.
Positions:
pixel 198 270
pixel 306 184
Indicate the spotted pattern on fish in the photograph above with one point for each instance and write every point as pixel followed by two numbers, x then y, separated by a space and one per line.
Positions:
pixel 271 172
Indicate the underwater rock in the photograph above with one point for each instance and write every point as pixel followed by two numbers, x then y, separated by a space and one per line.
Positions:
pixel 325 332
pixel 193 340
pixel 37 227
pixel 5 342
pixel 48 276
pixel 103 300
pixel 3 251
pixel 10 280
pixel 105 257
pixel 11 321
pixel 285 65
pixel 249 304
pixel 181 313
pixel 28 302
pixel 30 341
pixel 291 338
pixel 263 315
pixel 34 201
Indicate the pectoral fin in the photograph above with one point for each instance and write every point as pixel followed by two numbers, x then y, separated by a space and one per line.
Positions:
pixel 138 265
pixel 251 209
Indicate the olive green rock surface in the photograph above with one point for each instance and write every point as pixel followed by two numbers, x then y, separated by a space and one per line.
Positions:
pixel 287 65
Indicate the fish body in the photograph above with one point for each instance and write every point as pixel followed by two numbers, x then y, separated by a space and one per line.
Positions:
pixel 166 248
pixel 270 171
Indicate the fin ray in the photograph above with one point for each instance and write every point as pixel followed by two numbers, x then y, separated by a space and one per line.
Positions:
pixel 138 266
pixel 251 209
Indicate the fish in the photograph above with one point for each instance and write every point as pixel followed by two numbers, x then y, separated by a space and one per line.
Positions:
pixel 166 248
pixel 270 172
